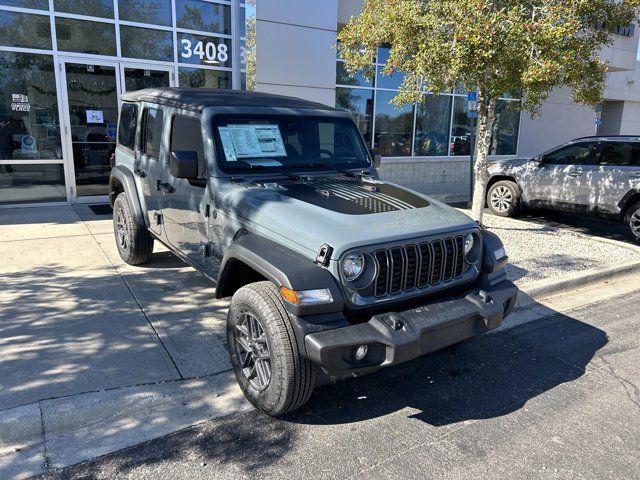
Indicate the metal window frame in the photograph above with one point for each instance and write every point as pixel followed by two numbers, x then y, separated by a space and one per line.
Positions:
pixel 60 58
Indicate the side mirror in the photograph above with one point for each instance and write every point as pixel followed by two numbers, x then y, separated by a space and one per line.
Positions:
pixel 377 158
pixel 184 164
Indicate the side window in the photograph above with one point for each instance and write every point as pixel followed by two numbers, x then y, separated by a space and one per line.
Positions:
pixel 578 154
pixel 187 136
pixel 152 132
pixel 127 125
pixel 620 154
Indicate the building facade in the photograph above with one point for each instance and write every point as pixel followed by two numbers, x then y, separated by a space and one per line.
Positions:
pixel 64 63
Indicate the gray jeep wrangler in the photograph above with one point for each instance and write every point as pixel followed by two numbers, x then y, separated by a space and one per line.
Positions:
pixel 332 273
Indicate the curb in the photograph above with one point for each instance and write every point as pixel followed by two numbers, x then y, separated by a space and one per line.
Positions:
pixel 533 291
pixel 69 430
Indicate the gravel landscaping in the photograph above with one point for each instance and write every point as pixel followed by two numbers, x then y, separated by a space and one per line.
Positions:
pixel 539 252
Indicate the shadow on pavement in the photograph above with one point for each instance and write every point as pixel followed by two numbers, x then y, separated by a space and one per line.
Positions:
pixel 490 377
pixel 585 224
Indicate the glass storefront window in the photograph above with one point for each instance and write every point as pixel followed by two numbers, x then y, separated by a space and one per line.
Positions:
pixel 360 103
pixel 505 129
pixel 203 16
pixel 138 42
pixel 460 140
pixel 392 81
pixel 204 50
pixel 25 30
pixel 93 8
pixel 204 78
pixel 358 80
pixel 433 119
pixel 32 183
pixel 153 12
pixel 86 37
pixel 394 126
pixel 37 4
pixel 29 122
pixel 242 22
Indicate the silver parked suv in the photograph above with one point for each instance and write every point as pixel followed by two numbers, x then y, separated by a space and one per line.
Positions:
pixel 598 175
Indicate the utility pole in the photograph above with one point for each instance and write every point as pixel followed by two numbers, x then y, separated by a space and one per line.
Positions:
pixel 472 114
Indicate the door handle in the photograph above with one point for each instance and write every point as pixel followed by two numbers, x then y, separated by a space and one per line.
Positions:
pixel 165 187
pixel 141 173
pixel 575 173
pixel 635 176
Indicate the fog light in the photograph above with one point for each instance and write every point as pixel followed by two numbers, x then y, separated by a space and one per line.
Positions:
pixel 360 352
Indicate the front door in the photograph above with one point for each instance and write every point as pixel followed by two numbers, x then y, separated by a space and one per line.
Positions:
pixel 92 99
pixel 558 181
pixel 184 206
pixel 91 96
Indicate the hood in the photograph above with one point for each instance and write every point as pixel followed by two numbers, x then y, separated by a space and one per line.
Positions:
pixel 342 212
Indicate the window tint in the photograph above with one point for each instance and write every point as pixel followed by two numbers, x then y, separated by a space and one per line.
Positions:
pixel 127 127
pixel 152 132
pixel 578 154
pixel 620 154
pixel 186 136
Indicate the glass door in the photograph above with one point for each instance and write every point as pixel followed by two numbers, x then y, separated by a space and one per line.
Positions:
pixel 91 95
pixel 137 77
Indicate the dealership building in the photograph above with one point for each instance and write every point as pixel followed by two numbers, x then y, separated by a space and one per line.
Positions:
pixel 64 64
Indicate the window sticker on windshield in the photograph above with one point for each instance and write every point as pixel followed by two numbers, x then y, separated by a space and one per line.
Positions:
pixel 227 144
pixel 256 141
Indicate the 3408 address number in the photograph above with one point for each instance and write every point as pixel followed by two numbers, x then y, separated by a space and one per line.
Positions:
pixel 209 50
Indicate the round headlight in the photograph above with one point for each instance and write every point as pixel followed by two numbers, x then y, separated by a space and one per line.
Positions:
pixel 353 266
pixel 469 243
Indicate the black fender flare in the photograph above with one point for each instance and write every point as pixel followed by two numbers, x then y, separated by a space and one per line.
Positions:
pixel 284 268
pixel 125 177
pixel 627 200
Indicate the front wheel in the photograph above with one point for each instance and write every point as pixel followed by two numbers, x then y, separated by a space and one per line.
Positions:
pixel 503 198
pixel 264 354
pixel 632 221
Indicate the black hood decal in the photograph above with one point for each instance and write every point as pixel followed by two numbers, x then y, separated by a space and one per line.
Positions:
pixel 352 196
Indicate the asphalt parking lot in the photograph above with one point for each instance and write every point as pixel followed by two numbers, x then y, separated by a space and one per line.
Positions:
pixel 554 398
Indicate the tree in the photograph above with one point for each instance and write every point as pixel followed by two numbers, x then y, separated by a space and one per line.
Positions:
pixel 524 48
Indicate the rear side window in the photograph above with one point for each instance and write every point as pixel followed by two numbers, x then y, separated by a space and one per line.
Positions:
pixel 152 132
pixel 620 154
pixel 187 136
pixel 127 125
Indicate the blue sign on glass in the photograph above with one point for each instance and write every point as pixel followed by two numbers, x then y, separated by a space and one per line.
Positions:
pixel 472 114
pixel 472 96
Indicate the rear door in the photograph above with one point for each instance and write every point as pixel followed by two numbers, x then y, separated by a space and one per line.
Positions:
pixel 149 168
pixel 617 173
pixel 557 182
pixel 185 205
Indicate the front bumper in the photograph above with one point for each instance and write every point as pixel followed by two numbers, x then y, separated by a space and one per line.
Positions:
pixel 396 337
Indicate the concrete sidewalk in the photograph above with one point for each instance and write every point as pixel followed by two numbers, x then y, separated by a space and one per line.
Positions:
pixel 96 355
pixel 75 321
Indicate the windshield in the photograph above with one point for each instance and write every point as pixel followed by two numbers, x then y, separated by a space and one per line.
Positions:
pixel 287 142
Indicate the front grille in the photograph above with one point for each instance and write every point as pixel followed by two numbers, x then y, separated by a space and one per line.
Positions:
pixel 410 267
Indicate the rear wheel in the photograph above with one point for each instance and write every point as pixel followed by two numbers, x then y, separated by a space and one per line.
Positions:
pixel 632 221
pixel 264 354
pixel 503 198
pixel 134 242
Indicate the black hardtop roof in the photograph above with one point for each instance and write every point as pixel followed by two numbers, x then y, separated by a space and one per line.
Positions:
pixel 199 98
pixel 607 137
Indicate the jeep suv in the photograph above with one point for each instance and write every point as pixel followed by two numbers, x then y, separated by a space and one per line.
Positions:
pixel 599 175
pixel 332 273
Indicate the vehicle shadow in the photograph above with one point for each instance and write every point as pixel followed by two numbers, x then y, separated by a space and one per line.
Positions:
pixel 584 224
pixel 491 376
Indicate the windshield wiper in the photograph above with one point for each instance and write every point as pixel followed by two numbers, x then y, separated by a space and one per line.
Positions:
pixel 327 166
pixel 254 166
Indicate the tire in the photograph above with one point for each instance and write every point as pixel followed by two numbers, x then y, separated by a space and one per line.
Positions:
pixel 503 199
pixel 272 374
pixel 632 222
pixel 134 242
